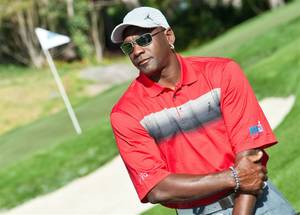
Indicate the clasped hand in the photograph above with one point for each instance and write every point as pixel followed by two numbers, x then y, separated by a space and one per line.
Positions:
pixel 252 174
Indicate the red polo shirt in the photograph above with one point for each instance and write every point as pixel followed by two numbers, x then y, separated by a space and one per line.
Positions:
pixel 196 129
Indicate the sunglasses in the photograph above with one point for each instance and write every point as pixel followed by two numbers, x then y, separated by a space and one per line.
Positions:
pixel 143 40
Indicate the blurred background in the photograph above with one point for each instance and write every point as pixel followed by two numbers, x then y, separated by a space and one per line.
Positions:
pixel 39 149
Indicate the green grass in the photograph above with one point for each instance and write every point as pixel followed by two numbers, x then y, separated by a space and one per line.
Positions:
pixel 229 42
pixel 159 210
pixel 23 142
pixel 47 154
pixel 54 168
pixel 277 74
pixel 284 167
pixel 28 93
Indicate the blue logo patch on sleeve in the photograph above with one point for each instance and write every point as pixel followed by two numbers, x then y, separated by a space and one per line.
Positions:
pixel 256 129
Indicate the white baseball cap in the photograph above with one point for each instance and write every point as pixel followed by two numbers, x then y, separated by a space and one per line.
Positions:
pixel 144 17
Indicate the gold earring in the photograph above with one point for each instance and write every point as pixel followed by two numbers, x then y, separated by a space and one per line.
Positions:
pixel 172 46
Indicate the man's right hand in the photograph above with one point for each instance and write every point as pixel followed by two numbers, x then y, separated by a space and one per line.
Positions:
pixel 251 172
pixel 189 187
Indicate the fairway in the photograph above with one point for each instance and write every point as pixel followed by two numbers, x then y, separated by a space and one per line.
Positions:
pixel 46 133
pixel 49 154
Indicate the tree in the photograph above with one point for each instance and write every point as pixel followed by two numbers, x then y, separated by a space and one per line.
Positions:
pixel 19 19
pixel 97 24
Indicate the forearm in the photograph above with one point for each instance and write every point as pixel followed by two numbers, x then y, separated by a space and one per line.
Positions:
pixel 183 187
pixel 244 204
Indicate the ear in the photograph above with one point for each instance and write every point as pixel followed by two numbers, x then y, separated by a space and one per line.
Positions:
pixel 170 35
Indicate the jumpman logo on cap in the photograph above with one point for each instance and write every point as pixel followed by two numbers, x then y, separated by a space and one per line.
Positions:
pixel 148 17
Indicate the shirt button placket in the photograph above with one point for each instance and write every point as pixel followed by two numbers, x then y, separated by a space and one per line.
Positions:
pixel 175 105
pixel 178 109
pixel 181 115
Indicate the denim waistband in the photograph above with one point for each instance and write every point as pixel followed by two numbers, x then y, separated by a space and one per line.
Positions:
pixel 222 204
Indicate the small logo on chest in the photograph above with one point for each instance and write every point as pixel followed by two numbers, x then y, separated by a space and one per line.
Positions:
pixel 209 107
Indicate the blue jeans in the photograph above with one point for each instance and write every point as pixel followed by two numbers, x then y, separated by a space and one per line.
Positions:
pixel 271 202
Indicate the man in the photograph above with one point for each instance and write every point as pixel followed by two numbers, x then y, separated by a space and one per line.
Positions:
pixel 190 130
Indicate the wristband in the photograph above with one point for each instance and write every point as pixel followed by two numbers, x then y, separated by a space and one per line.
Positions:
pixel 236 178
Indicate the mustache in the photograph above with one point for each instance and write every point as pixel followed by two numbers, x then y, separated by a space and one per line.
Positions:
pixel 139 59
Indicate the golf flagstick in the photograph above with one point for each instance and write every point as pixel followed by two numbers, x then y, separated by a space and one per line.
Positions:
pixel 49 40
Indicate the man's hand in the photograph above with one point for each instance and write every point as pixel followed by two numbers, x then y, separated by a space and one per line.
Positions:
pixel 244 203
pixel 189 187
pixel 251 173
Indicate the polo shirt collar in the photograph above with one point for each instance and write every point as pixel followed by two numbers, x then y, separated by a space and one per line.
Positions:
pixel 188 73
pixel 188 76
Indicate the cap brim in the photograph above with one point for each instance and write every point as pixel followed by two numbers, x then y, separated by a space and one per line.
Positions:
pixel 117 33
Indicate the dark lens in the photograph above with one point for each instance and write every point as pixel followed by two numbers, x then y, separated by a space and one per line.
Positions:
pixel 126 48
pixel 144 40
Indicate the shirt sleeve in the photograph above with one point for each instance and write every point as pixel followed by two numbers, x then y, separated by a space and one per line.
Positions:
pixel 244 119
pixel 139 152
